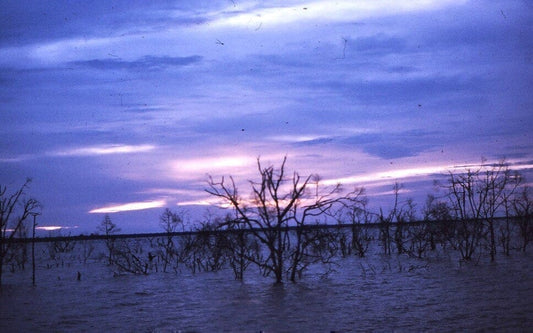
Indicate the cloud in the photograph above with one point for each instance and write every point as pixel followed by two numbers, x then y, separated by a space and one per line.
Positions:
pixel 28 21
pixel 347 10
pixel 54 227
pixel 411 174
pixel 104 150
pixel 147 63
pixel 393 145
pixel 391 176
pixel 194 169
pixel 379 44
pixel 129 207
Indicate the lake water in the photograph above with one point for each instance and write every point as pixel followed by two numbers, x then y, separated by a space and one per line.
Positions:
pixel 378 293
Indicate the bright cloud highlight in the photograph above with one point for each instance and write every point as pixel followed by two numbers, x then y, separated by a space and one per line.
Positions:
pixel 105 150
pixel 129 207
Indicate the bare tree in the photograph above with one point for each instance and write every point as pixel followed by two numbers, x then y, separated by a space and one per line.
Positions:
pixel 466 200
pixel 397 217
pixel 88 249
pixel 358 216
pixel 59 248
pixel 441 227
pixel 129 256
pixel 170 222
pixel 15 209
pixel 108 228
pixel 241 247
pixel 507 226
pixel 18 252
pixel 276 203
pixel 499 183
pixel 522 209
pixel 209 248
pixel 477 196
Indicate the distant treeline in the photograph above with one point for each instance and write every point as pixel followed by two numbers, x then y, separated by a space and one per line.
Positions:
pixel 214 231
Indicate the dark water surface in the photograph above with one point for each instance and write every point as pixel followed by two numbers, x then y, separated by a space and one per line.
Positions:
pixel 379 293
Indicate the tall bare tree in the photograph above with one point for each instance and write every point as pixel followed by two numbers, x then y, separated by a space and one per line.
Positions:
pixel 15 209
pixel 108 228
pixel 399 214
pixel 170 222
pixel 277 202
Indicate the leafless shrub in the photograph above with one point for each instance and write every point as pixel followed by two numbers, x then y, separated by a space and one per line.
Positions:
pixel 129 256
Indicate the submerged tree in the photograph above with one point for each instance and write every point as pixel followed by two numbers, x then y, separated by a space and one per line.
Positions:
pixel 278 202
pixel 358 216
pixel 240 247
pixel 522 209
pixel 108 228
pixel 170 221
pixel 129 256
pixel 477 197
pixel 400 213
pixel 437 214
pixel 15 209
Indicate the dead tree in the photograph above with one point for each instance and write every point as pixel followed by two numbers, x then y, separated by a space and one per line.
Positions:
pixel 466 201
pixel 499 183
pixel 477 196
pixel 241 248
pixel 88 249
pixel 18 254
pixel 15 209
pixel 522 209
pixel 358 216
pixel 208 248
pixel 397 218
pixel 170 222
pixel 129 256
pixel 108 228
pixel 441 227
pixel 277 202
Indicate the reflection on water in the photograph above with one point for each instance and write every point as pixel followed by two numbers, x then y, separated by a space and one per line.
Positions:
pixel 378 293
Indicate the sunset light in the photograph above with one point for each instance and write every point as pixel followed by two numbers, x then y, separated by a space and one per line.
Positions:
pixel 266 166
pixel 129 206
pixel 131 113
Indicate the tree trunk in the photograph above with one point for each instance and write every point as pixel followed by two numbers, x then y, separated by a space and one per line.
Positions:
pixel 492 241
pixel 1 268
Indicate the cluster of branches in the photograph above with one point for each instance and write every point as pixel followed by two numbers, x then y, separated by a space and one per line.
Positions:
pixel 15 209
pixel 205 249
pixel 278 202
pixel 476 199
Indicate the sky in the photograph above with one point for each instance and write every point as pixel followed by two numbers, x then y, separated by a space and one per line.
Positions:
pixel 125 107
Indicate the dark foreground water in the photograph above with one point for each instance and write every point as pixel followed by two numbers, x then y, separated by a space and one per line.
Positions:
pixel 379 293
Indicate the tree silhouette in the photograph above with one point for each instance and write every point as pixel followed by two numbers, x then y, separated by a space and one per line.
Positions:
pixel 278 202
pixel 108 228
pixel 15 209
